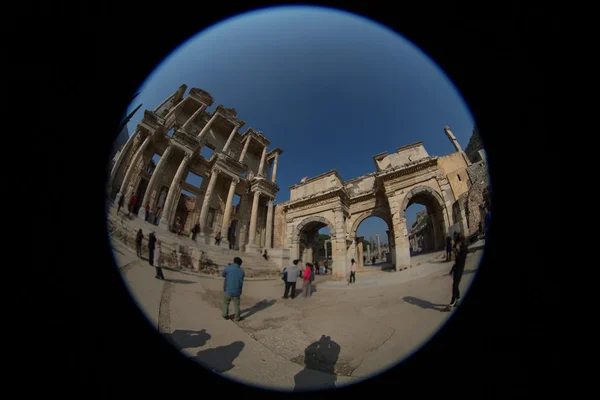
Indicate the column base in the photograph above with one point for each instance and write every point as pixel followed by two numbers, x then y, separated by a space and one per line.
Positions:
pixel 252 248
pixel 225 243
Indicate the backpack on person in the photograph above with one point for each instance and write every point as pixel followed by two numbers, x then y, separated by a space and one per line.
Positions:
pixel 311 278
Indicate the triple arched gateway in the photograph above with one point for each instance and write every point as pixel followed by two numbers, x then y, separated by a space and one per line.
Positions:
pixel 408 176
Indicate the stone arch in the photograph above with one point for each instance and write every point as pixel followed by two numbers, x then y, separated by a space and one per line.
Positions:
pixel 306 221
pixel 441 206
pixel 377 212
pixel 421 190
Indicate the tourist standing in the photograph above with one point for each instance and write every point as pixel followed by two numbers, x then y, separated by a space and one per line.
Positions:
pixel 232 288
pixel 120 204
pixel 486 221
pixel 458 268
pixel 218 239
pixel 151 246
pixel 448 248
pixel 132 202
pixel 138 243
pixel 158 260
pixel 317 270
pixel 290 276
pixel 265 255
pixel 195 231
pixel 157 216
pixel 352 272
pixel 306 292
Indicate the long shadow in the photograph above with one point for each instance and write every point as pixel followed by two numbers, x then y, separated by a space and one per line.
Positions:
pixel 261 305
pixel 320 358
pixel 183 339
pixel 424 303
pixel 179 281
pixel 220 359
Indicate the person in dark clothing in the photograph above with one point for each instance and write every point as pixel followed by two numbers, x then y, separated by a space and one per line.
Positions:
pixel 218 239
pixel 138 243
pixel 120 204
pixel 457 269
pixel 147 212
pixel 132 203
pixel 317 268
pixel 448 248
pixel 326 265
pixel 151 246
pixel 265 255
pixel 195 231
pixel 486 221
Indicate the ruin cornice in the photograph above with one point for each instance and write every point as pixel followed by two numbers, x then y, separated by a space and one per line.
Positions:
pixel 339 193
pixel 407 169
pixel 332 172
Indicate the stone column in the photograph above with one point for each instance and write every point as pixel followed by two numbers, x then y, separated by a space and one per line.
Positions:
pixel 359 253
pixel 369 253
pixel 262 162
pixel 121 156
pixel 230 139
pixel 326 255
pixel 207 126
pixel 269 241
pixel 253 218
pixel 176 108
pixel 207 199
pixel 401 243
pixel 134 161
pixel 275 167
pixel 245 150
pixel 227 213
pixel 194 116
pixel 378 247
pixel 339 262
pixel 155 175
pixel 165 218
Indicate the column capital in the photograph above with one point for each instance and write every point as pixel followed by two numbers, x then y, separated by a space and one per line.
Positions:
pixel 216 171
pixel 257 193
pixel 235 179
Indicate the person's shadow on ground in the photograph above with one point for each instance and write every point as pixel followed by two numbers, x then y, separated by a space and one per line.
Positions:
pixel 261 305
pixel 183 339
pixel 320 358
pixel 425 304
pixel 220 359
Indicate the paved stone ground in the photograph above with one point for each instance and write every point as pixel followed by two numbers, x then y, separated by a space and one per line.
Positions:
pixel 339 335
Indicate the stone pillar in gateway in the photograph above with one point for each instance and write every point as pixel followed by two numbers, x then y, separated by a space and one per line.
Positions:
pixel 339 260
pixel 165 219
pixel 124 191
pixel 207 200
pixel 227 213
pixel 269 234
pixel 253 218
pixel 157 172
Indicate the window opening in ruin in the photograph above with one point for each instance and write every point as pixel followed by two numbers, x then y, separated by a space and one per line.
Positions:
pixel 207 151
pixel 194 180
pixel 152 164
pixel 368 229
pixel 459 177
pixel 417 221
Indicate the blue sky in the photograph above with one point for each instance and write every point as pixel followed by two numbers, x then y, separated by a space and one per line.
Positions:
pixel 332 89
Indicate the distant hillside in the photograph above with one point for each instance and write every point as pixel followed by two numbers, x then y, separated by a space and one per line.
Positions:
pixel 475 144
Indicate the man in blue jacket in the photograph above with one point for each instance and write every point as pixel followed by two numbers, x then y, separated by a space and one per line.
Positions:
pixel 232 287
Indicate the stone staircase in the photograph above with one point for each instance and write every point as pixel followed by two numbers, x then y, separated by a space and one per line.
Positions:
pixel 183 252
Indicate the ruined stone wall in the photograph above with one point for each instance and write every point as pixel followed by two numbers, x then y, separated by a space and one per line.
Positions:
pixel 453 167
pixel 478 173
pixel 406 155
pixel 364 184
pixel 279 226
pixel 473 202
pixel 313 187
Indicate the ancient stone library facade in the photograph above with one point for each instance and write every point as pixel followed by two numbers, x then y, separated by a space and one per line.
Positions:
pixel 450 187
